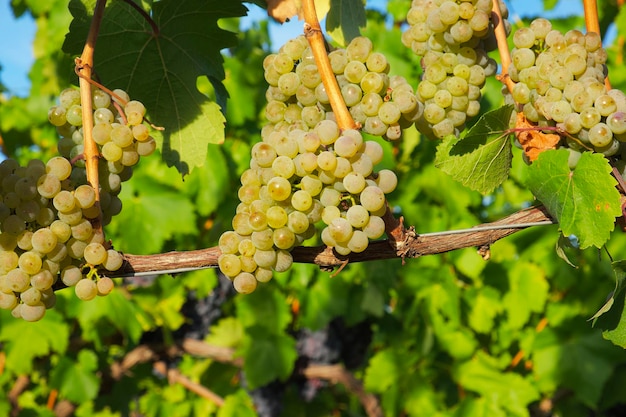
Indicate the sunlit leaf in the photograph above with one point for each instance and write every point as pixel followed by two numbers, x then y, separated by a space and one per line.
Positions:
pixel 482 159
pixel 344 20
pixel 77 380
pixel 584 201
pixel 267 356
pixel 24 342
pixel 160 68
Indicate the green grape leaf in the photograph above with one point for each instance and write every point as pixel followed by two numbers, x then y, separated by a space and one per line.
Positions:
pixel 238 404
pixel 528 293
pixel 481 160
pixel 161 68
pixel 101 317
pixel 584 201
pixel 511 391
pixel 619 269
pixel 5 407
pixel 152 214
pixel 267 356
pixel 486 303
pixel 209 186
pixel 77 380
pixel 582 362
pixel 613 321
pixel 344 20
pixel 240 89
pixel 549 4
pixel 611 317
pixel 324 300
pixel 23 342
pixel 563 244
pixel 161 304
pixel 478 407
pixel 459 343
pixel 227 332
pixel 383 371
pixel 264 308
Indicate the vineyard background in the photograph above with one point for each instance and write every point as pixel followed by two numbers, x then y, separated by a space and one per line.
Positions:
pixel 448 335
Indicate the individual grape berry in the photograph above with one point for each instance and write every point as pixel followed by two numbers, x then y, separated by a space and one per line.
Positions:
pixel 95 254
pixel 56 116
pixel 245 283
pixel 104 285
pixel 86 289
pixel 114 260
pixel 33 312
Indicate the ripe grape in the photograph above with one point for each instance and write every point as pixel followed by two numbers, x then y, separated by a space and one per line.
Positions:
pixel 50 216
pixel 95 254
pixel 245 282
pixel 33 312
pixel 86 289
pixel 104 285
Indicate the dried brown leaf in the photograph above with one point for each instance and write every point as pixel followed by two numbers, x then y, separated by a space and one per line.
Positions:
pixel 534 141
pixel 284 10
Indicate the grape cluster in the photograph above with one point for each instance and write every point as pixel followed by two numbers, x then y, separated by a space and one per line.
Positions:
pixel 47 209
pixel 46 234
pixel 453 38
pixel 119 131
pixel 384 105
pixel 305 170
pixel 560 82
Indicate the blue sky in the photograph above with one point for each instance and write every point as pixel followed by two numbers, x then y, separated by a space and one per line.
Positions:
pixel 16 35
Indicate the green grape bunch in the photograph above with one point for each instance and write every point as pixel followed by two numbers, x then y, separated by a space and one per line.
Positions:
pixel 453 38
pixel 48 210
pixel 560 82
pixel 119 131
pixel 383 105
pixel 46 235
pixel 306 173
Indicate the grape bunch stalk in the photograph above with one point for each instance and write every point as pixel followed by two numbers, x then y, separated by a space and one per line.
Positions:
pixel 48 210
pixel 308 173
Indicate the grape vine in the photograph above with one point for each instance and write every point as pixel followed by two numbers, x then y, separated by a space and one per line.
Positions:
pixel 313 163
pixel 320 168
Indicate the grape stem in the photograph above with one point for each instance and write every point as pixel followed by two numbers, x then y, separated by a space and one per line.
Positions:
pixel 314 35
pixel 503 46
pixel 117 101
pixel 84 66
pixel 592 24
pixel 52 398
